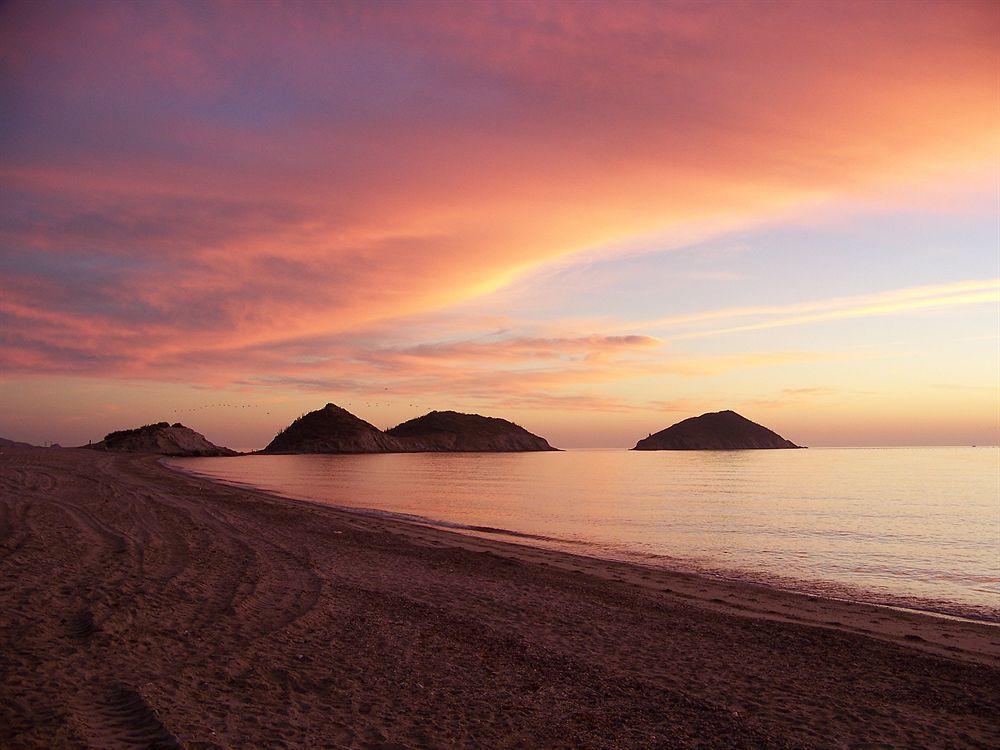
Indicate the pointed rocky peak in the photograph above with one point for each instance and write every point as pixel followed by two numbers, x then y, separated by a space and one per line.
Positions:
pixel 331 429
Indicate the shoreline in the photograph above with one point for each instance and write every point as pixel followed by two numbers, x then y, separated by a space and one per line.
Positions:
pixel 827 590
pixel 688 583
pixel 142 606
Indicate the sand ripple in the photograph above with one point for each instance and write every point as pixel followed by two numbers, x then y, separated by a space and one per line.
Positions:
pixel 144 608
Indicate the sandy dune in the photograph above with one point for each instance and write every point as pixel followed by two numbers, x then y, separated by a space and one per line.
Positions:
pixel 144 608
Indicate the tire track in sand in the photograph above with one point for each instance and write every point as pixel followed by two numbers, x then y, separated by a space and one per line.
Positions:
pixel 116 716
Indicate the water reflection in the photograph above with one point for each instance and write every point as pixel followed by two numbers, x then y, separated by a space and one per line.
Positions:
pixel 903 522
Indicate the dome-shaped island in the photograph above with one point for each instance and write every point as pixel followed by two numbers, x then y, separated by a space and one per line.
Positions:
pixel 715 431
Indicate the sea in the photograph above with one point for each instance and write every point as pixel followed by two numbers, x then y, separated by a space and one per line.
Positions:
pixel 917 528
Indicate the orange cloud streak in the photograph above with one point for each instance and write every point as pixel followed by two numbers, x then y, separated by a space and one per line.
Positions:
pixel 229 181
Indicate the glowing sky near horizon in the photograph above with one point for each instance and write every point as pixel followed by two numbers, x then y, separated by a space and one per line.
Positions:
pixel 595 219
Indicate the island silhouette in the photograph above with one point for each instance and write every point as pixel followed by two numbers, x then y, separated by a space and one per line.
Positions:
pixel 718 430
pixel 333 429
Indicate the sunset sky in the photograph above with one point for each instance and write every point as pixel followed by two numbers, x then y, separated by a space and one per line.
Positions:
pixel 594 219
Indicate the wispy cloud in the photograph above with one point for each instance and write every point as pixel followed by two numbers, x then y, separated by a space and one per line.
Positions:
pixel 295 198
pixel 893 302
pixel 530 348
pixel 278 174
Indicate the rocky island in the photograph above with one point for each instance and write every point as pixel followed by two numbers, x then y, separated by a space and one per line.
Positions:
pixel 162 438
pixel 335 430
pixel 453 431
pixel 720 430
pixel 331 430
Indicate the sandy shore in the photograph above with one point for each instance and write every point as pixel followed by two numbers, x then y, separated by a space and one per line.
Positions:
pixel 141 607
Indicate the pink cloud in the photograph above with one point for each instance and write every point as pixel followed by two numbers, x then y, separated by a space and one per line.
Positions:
pixel 187 185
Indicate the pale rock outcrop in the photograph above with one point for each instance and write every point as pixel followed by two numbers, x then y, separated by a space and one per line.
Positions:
pixel 163 439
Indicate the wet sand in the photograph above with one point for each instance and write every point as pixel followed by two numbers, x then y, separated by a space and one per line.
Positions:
pixel 140 607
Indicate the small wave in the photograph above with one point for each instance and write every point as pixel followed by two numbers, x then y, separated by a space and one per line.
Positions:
pixel 715 568
pixel 373 512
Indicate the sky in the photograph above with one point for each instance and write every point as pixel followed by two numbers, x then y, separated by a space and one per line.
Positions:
pixel 592 218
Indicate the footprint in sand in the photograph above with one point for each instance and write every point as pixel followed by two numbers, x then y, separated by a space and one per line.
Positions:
pixel 81 625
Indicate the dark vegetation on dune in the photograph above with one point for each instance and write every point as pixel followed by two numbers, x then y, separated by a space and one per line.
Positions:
pixel 161 438
pixel 720 430
pixel 146 429
pixel 5 443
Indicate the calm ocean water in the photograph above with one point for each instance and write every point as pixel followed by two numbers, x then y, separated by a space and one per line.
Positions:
pixel 915 527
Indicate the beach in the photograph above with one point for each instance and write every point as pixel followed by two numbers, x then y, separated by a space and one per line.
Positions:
pixel 142 607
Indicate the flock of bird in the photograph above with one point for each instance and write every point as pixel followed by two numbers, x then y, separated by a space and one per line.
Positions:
pixel 258 406
pixel 218 406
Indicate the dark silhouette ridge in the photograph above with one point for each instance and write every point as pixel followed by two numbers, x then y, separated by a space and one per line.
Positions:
pixel 331 430
pixel 720 430
pixel 335 430
pixel 454 431
pixel 5 443
pixel 162 438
